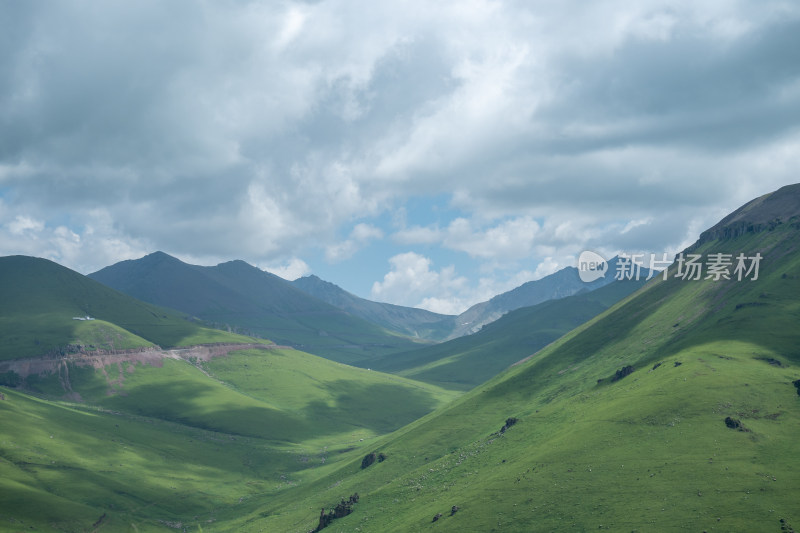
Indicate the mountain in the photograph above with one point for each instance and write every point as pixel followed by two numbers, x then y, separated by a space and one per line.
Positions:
pixel 467 361
pixel 565 282
pixel 247 299
pixel 676 409
pixel 407 320
pixel 40 302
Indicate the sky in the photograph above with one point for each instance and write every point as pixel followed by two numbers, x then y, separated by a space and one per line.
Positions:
pixel 428 154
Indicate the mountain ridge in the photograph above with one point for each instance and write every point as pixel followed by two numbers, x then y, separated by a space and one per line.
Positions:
pixel 408 320
pixel 562 283
pixel 237 295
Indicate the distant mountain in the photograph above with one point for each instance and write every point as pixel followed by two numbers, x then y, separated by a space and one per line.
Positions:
pixel 247 299
pixel 467 361
pixel 565 282
pixel 408 320
pixel 47 308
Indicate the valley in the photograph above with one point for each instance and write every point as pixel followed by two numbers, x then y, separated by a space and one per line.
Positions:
pixel 669 404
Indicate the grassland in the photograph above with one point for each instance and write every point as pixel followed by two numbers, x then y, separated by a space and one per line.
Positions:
pixel 649 452
pixel 261 440
pixel 188 442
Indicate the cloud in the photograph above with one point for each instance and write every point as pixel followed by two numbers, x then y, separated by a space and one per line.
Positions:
pixel 359 237
pixel 266 131
pixel 411 282
pixel 291 270
pixel 96 242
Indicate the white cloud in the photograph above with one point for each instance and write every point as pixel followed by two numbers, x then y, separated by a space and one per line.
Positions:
pixel 411 282
pixel 96 245
pixel 291 270
pixel 359 237
pixel 23 224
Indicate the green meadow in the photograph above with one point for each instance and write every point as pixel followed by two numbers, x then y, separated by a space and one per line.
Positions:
pixel 189 442
pixel 648 452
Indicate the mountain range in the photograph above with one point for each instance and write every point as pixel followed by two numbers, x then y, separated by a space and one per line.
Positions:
pixel 247 299
pixel 315 315
pixel 670 405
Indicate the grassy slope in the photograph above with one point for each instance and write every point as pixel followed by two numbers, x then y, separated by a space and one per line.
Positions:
pixel 464 362
pixel 649 452
pixel 189 444
pixel 40 298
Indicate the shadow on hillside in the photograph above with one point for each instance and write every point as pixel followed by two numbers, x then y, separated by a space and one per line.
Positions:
pixel 379 407
pixel 203 406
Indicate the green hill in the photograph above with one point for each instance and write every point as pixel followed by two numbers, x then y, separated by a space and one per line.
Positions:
pixel 153 445
pixel 39 301
pixel 254 302
pixel 465 362
pixel 677 409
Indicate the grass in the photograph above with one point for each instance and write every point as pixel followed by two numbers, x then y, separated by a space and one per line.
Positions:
pixel 648 452
pixel 188 443
pixel 262 440
pixel 631 456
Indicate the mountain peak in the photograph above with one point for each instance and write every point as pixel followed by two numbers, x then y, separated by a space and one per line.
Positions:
pixel 763 213
pixel 158 257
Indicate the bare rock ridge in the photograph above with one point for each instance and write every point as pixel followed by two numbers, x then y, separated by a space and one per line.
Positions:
pixel 761 214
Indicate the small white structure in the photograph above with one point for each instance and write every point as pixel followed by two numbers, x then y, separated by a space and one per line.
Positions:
pixel 87 317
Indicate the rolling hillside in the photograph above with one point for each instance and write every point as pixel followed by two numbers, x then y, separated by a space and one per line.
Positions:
pixel 39 301
pixel 159 444
pixel 240 296
pixel 103 430
pixel 407 320
pixel 465 362
pixel 677 409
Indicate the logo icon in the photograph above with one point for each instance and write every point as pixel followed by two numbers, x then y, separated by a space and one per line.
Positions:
pixel 591 266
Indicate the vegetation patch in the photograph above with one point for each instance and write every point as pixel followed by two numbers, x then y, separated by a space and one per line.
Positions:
pixel 509 422
pixel 342 509
pixel 735 423
pixel 619 374
pixel 370 458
